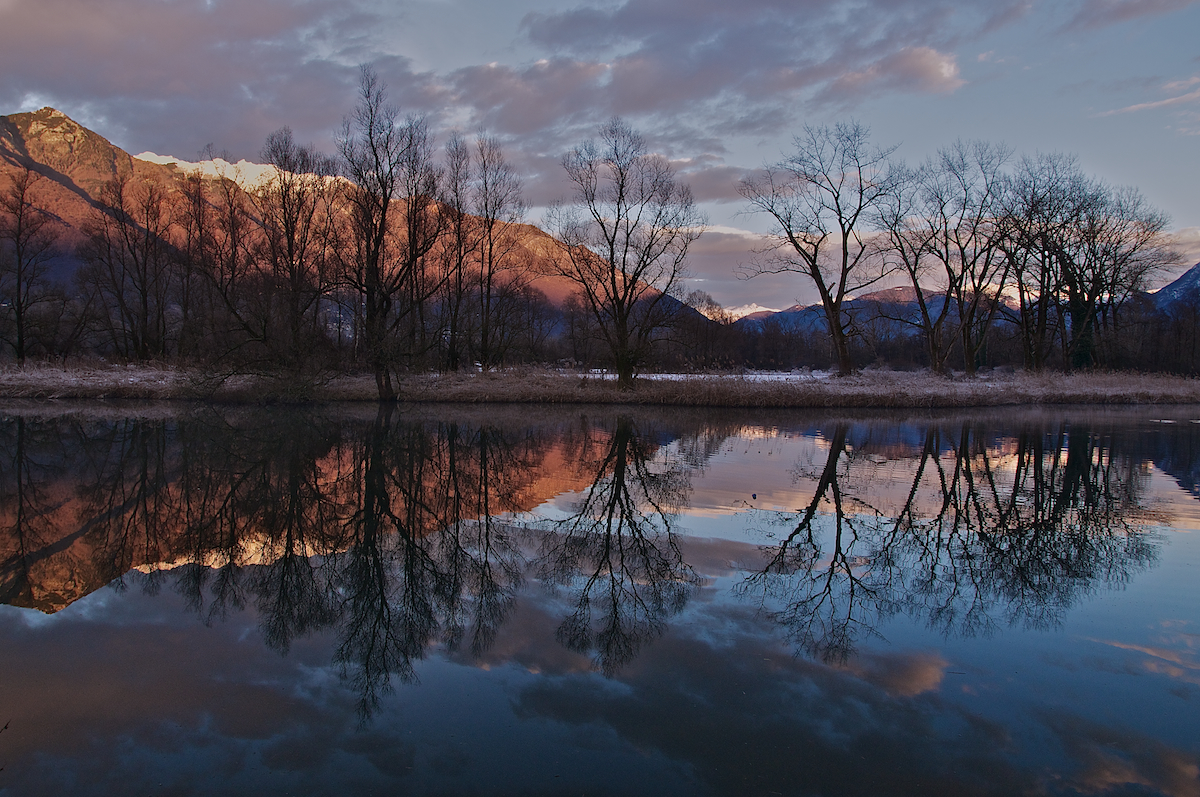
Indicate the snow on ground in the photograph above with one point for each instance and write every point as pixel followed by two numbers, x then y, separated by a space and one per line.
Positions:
pixel 749 376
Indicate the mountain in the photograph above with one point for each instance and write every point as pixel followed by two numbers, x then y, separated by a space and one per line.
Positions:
pixel 741 311
pixel 77 162
pixel 810 318
pixel 804 318
pixel 1186 288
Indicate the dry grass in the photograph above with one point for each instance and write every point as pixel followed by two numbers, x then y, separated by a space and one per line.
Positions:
pixel 539 386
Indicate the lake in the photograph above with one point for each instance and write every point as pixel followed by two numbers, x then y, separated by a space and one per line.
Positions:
pixel 596 600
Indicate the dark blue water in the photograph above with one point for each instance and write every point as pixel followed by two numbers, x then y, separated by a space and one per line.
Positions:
pixel 584 601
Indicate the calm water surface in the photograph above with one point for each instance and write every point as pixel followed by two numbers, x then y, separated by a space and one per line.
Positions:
pixel 588 601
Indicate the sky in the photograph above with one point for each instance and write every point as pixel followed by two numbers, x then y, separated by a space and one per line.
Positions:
pixel 719 88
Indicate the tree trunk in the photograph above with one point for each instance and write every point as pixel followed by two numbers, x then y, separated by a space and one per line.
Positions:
pixel 841 342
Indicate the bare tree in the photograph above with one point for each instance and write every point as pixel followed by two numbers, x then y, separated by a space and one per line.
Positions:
pixel 388 161
pixel 461 243
pixel 1044 197
pixel 1120 243
pixel 626 233
pixel 1081 249
pixel 943 228
pixel 905 243
pixel 498 206
pixel 295 211
pixel 231 276
pixel 820 198
pixel 27 245
pixel 130 265
pixel 195 221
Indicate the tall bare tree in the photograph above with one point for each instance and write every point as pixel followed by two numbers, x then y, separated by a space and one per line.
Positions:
pixel 389 162
pixel 195 221
pixel 820 198
pixel 905 242
pixel 1081 249
pixel 27 246
pixel 1119 244
pixel 943 228
pixel 626 233
pixel 498 206
pixel 461 244
pixel 1043 199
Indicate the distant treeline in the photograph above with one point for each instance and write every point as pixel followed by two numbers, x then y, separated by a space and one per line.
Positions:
pixel 393 256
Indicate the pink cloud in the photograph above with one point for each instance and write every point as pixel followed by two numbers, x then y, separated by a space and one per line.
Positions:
pixel 1102 13
pixel 919 69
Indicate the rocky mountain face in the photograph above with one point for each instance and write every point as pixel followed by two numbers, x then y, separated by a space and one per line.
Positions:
pixel 75 161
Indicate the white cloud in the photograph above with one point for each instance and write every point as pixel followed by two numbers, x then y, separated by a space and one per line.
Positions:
pixel 1187 241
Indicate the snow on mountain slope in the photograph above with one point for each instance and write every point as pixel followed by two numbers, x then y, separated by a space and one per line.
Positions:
pixel 246 174
pixel 1187 287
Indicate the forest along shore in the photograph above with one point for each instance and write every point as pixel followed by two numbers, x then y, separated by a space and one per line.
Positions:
pixel 545 386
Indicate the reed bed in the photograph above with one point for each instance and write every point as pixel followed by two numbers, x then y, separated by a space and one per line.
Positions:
pixel 870 389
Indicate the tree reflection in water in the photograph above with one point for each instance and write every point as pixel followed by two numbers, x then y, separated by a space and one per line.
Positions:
pixel 993 530
pixel 394 533
pixel 618 553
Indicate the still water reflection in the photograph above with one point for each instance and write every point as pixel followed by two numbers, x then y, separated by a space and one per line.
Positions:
pixel 504 601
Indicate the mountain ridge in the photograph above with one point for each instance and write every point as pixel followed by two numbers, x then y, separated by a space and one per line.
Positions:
pixel 78 162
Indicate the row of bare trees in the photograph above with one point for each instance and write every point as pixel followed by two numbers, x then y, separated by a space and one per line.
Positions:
pixel 387 256
pixel 393 255
pixel 383 257
pixel 980 236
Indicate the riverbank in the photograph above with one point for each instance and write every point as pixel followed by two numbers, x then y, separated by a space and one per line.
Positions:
pixel 544 386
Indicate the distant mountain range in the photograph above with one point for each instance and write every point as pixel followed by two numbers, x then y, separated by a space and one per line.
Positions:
pixel 809 318
pixel 901 302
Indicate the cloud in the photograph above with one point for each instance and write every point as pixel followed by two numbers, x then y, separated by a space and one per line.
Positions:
pixel 174 76
pixel 902 674
pixel 1190 97
pixel 915 69
pixel 750 68
pixel 711 180
pixel 741 706
pixel 1175 655
pixel 1187 242
pixel 1184 104
pixel 1109 757
pixel 524 101
pixel 1180 85
pixel 1093 14
pixel 721 254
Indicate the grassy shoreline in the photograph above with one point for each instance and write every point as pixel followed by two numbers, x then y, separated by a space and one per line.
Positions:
pixel 882 389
